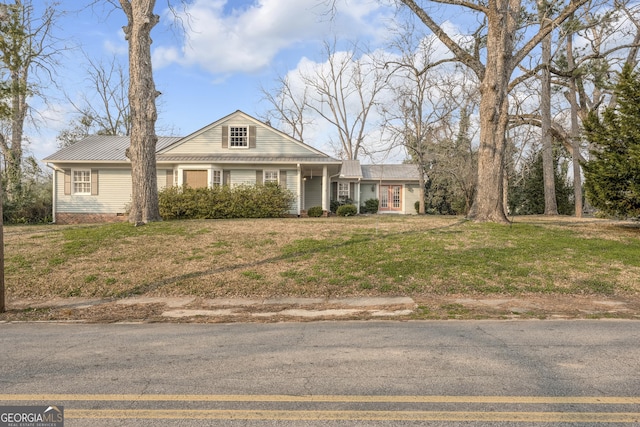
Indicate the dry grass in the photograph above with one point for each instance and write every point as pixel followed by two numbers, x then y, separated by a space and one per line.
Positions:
pixel 330 257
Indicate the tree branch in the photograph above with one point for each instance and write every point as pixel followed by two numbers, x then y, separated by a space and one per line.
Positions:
pixel 461 54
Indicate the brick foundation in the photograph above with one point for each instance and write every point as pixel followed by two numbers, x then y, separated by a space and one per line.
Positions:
pixel 82 218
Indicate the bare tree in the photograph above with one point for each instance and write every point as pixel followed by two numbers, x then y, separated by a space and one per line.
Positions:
pixel 103 108
pixel 288 107
pixel 419 105
pixel 79 128
pixel 108 104
pixel 550 202
pixel 572 97
pixel 344 93
pixel 142 99
pixel 503 52
pixel 584 74
pixel 25 49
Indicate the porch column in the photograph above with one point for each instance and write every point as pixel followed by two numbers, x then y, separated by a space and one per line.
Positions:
pixel 325 189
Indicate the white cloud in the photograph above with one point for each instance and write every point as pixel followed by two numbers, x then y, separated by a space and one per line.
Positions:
pixel 223 40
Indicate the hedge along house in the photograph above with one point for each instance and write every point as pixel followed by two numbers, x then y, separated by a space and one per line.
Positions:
pixel 92 178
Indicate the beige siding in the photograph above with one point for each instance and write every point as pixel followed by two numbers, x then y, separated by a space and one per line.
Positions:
pixel 411 196
pixel 312 192
pixel 268 141
pixel 292 185
pixel 242 176
pixel 368 191
pixel 114 193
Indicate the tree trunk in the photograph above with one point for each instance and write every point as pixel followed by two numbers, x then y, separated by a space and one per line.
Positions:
pixel 421 195
pixel 2 288
pixel 575 131
pixel 548 172
pixel 17 60
pixel 142 96
pixel 13 156
pixel 488 205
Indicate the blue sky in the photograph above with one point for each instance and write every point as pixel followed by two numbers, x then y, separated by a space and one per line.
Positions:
pixel 228 51
pixel 219 59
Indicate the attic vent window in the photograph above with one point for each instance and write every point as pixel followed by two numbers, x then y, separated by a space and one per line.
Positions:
pixel 238 136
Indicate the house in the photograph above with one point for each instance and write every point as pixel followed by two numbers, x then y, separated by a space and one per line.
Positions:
pixel 92 178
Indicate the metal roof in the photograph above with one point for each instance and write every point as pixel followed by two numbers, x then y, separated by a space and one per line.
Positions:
pixel 235 158
pixel 405 172
pixel 101 148
pixel 107 148
pixel 351 169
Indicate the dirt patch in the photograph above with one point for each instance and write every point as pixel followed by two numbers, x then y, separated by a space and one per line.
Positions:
pixel 426 308
pixel 530 306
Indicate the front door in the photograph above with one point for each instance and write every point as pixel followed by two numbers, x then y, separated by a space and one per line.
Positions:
pixel 391 198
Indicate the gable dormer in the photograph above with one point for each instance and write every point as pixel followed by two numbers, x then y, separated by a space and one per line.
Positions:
pixel 238 136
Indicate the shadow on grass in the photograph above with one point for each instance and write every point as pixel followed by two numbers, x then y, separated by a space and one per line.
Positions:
pixel 316 249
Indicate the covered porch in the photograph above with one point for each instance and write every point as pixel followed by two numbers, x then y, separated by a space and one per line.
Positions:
pixel 315 186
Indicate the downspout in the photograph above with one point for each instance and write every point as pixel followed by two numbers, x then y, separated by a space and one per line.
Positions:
pixel 358 192
pixel 54 198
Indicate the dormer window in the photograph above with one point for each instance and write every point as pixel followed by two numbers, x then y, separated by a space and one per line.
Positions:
pixel 238 136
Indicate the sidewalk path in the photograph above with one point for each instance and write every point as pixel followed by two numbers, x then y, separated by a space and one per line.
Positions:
pixel 194 309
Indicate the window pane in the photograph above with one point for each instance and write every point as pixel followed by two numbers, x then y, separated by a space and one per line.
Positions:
pixel 396 197
pixel 238 136
pixel 82 182
pixel 384 197
pixel 217 178
pixel 343 190
pixel 271 176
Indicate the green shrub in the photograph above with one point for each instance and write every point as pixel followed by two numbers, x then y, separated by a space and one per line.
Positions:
pixel 315 211
pixel 31 201
pixel 243 201
pixel 428 210
pixel 347 210
pixel 335 204
pixel 370 206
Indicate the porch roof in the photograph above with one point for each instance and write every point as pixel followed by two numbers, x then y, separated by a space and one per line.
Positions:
pixel 402 172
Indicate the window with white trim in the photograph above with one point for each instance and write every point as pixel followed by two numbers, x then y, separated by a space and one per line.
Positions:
pixel 343 190
pixel 270 176
pixel 216 178
pixel 81 181
pixel 238 136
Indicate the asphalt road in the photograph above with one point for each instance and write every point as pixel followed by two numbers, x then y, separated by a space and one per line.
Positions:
pixel 327 373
